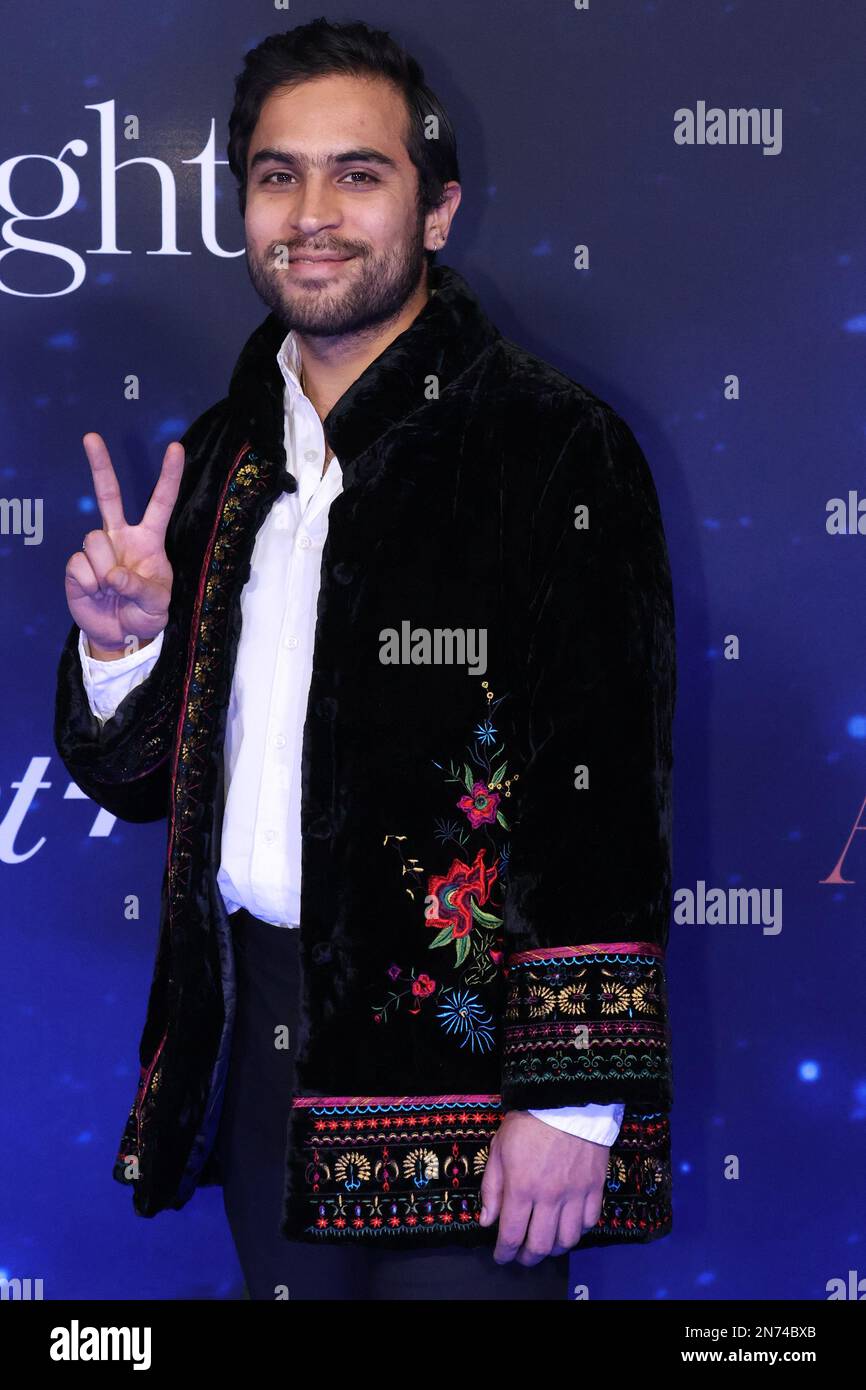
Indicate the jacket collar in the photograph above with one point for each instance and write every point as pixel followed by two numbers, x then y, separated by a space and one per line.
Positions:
pixel 444 339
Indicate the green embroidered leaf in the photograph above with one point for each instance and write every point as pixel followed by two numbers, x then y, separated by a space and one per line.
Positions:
pixel 462 949
pixel 468 778
pixel 499 774
pixel 441 938
pixel 502 821
pixel 486 919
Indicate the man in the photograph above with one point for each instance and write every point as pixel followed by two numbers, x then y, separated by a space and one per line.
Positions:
pixel 393 650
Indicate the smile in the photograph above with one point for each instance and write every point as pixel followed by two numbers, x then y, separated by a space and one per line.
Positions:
pixel 319 260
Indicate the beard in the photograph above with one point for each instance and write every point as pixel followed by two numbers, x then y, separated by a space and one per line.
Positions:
pixel 376 292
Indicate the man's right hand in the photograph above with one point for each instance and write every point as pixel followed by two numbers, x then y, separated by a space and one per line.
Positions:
pixel 119 586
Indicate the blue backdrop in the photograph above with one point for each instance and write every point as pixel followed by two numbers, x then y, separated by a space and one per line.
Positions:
pixel 722 313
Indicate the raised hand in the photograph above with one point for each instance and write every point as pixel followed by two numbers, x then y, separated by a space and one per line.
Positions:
pixel 118 586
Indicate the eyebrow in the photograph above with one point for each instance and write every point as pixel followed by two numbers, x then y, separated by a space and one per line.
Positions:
pixel 364 155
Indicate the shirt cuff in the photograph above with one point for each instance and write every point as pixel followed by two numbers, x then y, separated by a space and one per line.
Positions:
pixel 107 683
pixel 600 1124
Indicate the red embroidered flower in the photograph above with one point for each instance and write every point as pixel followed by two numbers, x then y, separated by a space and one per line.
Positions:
pixel 452 893
pixel 423 986
pixel 480 805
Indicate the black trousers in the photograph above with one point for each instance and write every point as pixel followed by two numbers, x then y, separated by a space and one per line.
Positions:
pixel 252 1149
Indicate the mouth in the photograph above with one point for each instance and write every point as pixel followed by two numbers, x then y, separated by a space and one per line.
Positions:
pixel 321 259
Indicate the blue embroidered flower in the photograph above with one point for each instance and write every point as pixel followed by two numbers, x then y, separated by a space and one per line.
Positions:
pixel 485 733
pixel 463 1014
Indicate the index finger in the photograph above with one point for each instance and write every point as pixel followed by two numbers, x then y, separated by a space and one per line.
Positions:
pixel 105 483
pixel 164 495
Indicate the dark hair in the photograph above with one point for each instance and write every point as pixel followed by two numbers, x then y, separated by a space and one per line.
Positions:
pixel 320 48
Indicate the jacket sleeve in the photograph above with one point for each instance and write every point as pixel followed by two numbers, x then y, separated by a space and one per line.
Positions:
pixel 124 763
pixel 588 897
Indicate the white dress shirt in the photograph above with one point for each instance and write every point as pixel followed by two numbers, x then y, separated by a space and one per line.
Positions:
pixel 260 850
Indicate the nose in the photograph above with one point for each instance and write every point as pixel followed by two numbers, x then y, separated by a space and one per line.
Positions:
pixel 317 206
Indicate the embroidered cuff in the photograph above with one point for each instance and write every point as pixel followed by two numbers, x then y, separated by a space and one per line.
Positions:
pixel 587 1024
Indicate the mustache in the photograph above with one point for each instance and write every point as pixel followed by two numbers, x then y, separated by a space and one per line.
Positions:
pixel 315 248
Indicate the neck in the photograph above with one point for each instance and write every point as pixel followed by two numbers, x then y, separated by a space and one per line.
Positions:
pixel 330 365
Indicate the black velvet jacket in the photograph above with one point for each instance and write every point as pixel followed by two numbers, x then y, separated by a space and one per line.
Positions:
pixel 486 871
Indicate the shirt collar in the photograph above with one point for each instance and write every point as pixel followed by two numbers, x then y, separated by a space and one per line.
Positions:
pixel 289 363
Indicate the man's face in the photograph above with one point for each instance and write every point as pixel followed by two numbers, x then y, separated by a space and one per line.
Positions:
pixel 328 173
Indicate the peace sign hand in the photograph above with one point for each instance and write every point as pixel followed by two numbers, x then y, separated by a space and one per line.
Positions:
pixel 118 586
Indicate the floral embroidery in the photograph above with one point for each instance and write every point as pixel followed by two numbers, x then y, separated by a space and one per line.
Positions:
pixel 481 805
pixel 462 1014
pixel 462 903
pixel 455 897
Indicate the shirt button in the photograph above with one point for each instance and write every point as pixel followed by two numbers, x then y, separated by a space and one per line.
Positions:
pixel 304 542
pixel 270 834
pixel 291 642
pixel 311 455
pixel 280 741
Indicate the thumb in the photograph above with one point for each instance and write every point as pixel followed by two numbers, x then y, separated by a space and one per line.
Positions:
pixel 492 1185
